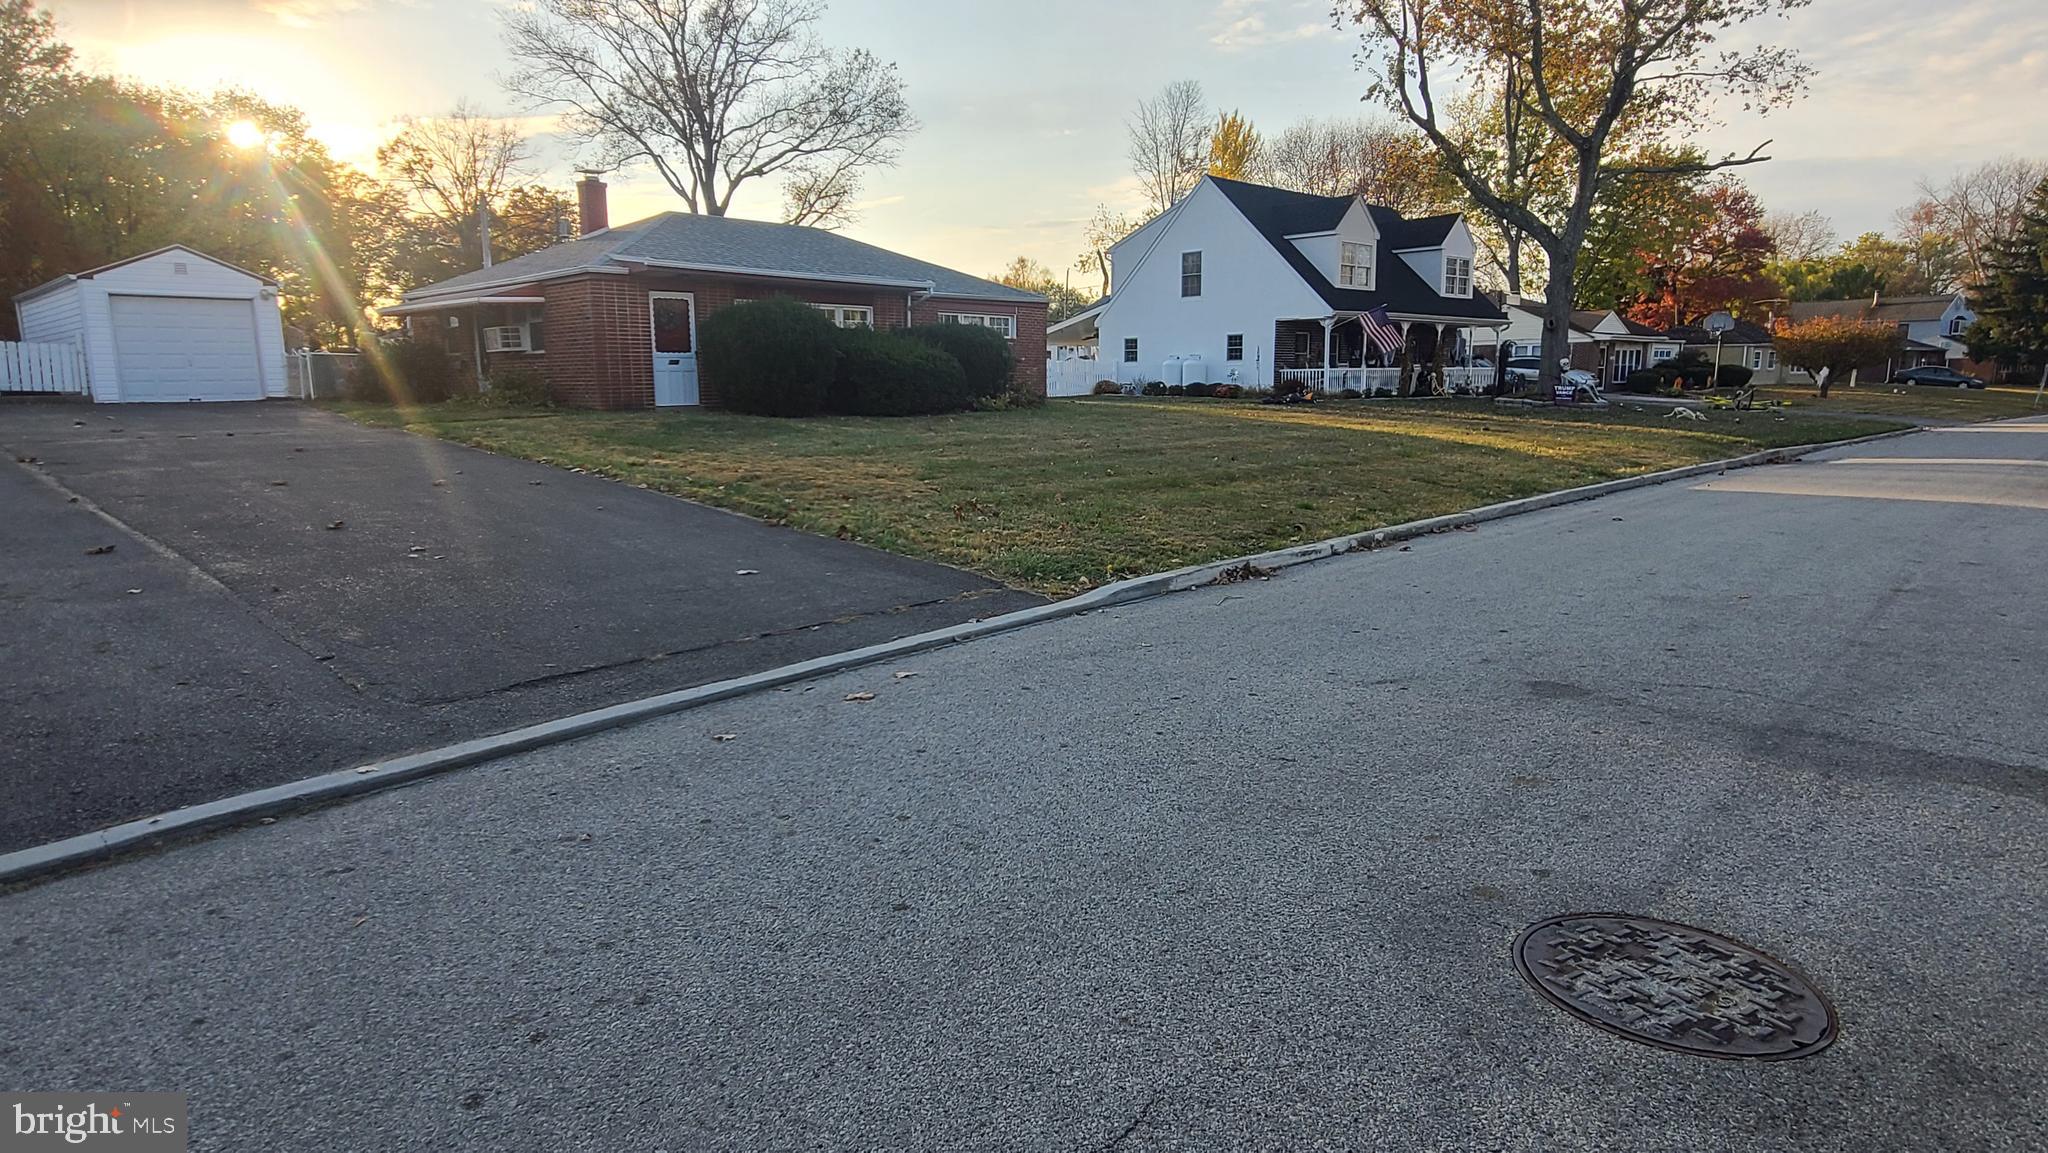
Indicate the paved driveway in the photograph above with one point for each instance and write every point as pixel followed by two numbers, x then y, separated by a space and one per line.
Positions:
pixel 289 593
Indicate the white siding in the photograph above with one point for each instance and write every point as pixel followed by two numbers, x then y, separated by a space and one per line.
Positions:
pixel 1246 286
pixel 1326 251
pixel 159 275
pixel 55 317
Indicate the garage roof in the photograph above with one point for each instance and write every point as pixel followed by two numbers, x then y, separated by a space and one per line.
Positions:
pixel 89 273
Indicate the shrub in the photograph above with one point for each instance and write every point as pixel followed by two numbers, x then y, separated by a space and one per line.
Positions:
pixel 519 387
pixel 1348 394
pixel 1223 391
pixel 1007 401
pixel 1645 381
pixel 983 353
pixel 1689 369
pixel 771 357
pixel 887 374
pixel 1107 388
pixel 404 372
pixel 1734 376
pixel 1198 390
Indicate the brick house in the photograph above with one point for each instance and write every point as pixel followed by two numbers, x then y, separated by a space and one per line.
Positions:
pixel 610 318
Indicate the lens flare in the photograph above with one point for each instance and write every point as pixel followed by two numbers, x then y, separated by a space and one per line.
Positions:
pixel 245 134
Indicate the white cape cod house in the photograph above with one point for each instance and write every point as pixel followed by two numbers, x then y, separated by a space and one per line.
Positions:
pixel 1260 286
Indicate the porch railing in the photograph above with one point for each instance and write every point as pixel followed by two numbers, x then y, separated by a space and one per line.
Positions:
pixel 1365 380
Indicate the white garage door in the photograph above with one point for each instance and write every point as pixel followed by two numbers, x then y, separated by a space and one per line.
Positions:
pixel 184 348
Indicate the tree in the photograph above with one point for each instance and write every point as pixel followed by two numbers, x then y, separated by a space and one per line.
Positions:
pixel 1365 156
pixel 1835 344
pixel 2012 298
pixel 714 94
pixel 1061 300
pixel 1585 68
pixel 1637 222
pixel 1234 148
pixel 1975 210
pixel 1716 265
pixel 1169 143
pixel 1104 229
pixel 455 167
pixel 1800 235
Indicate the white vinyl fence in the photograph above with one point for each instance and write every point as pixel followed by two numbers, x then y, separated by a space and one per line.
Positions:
pixel 45 368
pixel 1075 377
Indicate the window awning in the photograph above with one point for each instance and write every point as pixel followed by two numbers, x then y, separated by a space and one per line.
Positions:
pixel 449 302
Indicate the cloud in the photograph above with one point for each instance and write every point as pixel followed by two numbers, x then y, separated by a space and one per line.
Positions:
pixel 307 13
pixel 1239 25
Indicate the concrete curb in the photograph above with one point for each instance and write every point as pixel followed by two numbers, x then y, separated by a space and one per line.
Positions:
pixel 72 852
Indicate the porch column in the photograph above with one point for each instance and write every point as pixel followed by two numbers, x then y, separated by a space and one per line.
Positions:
pixel 1329 327
pixel 1405 384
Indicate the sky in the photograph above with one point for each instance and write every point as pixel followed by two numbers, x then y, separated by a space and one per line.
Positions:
pixel 1022 106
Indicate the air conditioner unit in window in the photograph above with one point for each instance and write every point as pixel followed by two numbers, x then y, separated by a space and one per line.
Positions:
pixel 505 338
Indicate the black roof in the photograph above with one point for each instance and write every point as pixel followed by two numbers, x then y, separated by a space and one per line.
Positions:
pixel 1744 332
pixel 1279 214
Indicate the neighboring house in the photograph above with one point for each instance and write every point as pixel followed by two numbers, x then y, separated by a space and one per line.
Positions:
pixel 1523 335
pixel 610 319
pixel 1077 337
pixel 1244 283
pixel 1931 326
pixel 1746 344
pixel 1616 346
pixel 170 325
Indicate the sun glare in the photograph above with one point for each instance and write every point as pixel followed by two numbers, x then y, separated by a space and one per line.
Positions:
pixel 245 134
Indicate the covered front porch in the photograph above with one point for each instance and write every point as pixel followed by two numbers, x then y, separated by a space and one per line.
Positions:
pixel 1332 353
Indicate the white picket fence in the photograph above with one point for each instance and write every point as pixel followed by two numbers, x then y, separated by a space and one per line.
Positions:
pixel 1075 377
pixel 42 368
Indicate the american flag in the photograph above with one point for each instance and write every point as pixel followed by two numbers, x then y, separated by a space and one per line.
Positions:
pixel 1381 330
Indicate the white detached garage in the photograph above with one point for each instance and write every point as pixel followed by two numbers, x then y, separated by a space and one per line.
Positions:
pixel 169 325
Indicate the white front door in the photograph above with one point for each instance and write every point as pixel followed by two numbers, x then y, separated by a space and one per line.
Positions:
pixel 674 315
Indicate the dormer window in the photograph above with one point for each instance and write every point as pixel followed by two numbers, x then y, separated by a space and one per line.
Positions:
pixel 1355 269
pixel 1457 276
pixel 1956 325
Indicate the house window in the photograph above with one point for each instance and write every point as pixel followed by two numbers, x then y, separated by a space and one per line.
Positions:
pixel 1662 352
pixel 847 315
pixel 1130 350
pixel 1233 346
pixel 535 336
pixel 1956 325
pixel 1763 358
pixel 1191 274
pixel 1457 276
pixel 1007 325
pixel 1355 270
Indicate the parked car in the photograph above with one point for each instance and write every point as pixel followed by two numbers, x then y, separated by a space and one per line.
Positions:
pixel 1525 370
pixel 1936 376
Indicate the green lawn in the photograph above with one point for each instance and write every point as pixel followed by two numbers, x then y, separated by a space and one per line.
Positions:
pixel 1079 492
pixel 1911 400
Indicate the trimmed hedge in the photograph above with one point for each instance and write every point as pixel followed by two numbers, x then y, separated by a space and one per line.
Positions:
pixel 774 357
pixel 403 372
pixel 519 387
pixel 1734 376
pixel 889 374
pixel 1645 381
pixel 984 354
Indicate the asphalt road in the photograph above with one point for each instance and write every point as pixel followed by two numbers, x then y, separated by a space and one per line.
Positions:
pixel 233 638
pixel 1237 868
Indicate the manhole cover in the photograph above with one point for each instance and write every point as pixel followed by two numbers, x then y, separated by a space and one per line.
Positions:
pixel 1675 986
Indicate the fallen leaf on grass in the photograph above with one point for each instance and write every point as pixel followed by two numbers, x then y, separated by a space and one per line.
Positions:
pixel 99 550
pixel 860 696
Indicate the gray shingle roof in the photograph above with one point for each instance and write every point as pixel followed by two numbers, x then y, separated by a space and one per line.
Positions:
pixel 1278 214
pixel 725 242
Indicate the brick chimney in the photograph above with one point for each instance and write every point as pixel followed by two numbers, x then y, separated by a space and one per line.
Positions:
pixel 591 213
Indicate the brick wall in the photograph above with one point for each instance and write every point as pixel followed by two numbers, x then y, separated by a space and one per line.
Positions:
pixel 600 350
pixel 1028 376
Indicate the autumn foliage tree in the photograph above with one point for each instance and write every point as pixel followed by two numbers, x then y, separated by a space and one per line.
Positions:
pixel 1828 346
pixel 1234 148
pixel 1591 75
pixel 1716 265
